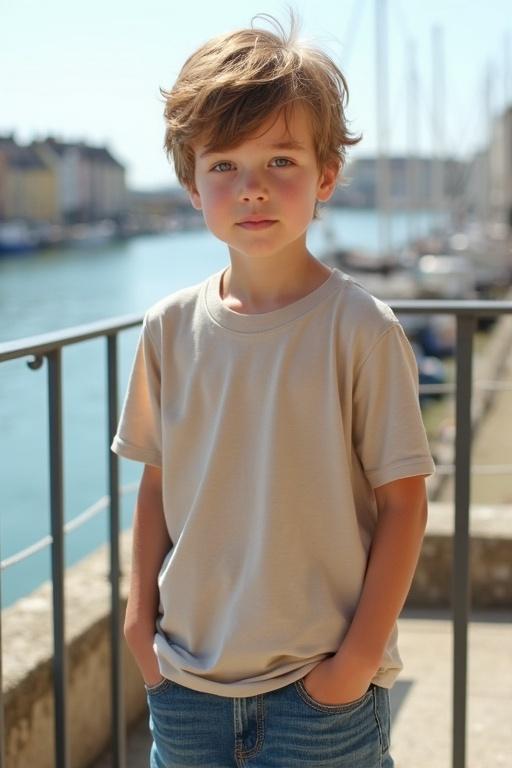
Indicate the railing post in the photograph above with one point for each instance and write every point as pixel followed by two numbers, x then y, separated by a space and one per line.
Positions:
pixel 466 325
pixel 116 636
pixel 57 532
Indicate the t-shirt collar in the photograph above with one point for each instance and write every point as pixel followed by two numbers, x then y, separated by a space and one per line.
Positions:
pixel 264 321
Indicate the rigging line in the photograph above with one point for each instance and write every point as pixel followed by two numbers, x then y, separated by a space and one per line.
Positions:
pixel 398 103
pixel 427 111
pixel 400 17
pixel 457 137
pixel 353 25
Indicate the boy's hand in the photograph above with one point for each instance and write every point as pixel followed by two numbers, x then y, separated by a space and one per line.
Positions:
pixel 143 652
pixel 151 675
pixel 329 683
pixel 150 670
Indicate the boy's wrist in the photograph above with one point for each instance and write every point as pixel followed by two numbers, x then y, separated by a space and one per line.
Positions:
pixel 347 658
pixel 142 650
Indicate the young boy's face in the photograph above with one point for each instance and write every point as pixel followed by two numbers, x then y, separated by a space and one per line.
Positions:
pixel 259 197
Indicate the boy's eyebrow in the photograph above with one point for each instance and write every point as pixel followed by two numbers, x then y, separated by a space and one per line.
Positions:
pixel 289 144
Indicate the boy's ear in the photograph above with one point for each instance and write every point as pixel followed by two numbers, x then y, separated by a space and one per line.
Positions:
pixel 327 181
pixel 194 196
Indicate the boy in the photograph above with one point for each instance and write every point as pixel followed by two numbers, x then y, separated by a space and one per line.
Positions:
pixel 282 506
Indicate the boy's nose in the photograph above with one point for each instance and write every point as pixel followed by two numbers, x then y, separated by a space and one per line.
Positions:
pixel 252 187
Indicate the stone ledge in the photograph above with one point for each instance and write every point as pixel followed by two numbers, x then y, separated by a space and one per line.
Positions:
pixel 488 366
pixel 484 521
pixel 27 649
pixel 490 558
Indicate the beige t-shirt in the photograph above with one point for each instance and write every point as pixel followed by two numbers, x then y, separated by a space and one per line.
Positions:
pixel 271 430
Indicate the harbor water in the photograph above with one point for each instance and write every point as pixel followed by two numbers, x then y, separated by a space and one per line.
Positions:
pixel 56 289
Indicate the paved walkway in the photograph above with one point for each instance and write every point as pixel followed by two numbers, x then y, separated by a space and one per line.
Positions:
pixel 421 697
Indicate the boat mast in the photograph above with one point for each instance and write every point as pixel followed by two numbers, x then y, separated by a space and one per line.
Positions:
pixel 507 74
pixel 438 123
pixel 413 143
pixel 486 197
pixel 383 169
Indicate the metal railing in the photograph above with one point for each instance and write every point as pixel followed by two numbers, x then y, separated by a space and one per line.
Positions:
pixel 50 346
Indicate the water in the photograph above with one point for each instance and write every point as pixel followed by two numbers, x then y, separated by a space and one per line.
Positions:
pixel 57 289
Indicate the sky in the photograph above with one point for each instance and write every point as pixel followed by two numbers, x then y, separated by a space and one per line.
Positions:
pixel 91 71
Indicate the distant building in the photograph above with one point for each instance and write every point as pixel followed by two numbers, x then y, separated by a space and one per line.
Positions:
pixel 28 184
pixel 57 181
pixel 165 201
pixel 91 182
pixel 411 182
pixel 3 178
pixel 476 189
pixel 107 185
pixel 499 201
pixel 489 190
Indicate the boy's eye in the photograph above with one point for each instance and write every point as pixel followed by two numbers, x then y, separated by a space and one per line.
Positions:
pixel 281 162
pixel 223 166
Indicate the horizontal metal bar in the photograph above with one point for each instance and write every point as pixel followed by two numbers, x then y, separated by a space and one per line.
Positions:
pixel 104 502
pixel 449 389
pixel 84 517
pixel 47 342
pixel 457 308
pixel 44 343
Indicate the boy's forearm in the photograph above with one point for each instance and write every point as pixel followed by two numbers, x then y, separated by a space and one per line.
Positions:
pixel 150 545
pixel 392 562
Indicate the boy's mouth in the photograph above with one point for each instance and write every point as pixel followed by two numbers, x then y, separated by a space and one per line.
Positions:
pixel 256 223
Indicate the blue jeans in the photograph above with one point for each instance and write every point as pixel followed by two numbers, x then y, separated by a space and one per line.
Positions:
pixel 284 728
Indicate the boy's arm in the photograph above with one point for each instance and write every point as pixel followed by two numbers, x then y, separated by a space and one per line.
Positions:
pixel 150 545
pixel 395 550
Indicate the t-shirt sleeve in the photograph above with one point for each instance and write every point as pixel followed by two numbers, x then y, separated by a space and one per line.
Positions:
pixel 138 435
pixel 388 430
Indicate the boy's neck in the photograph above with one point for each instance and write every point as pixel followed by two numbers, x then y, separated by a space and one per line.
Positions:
pixel 262 285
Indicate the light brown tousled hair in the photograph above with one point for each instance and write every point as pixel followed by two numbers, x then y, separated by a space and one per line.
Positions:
pixel 232 84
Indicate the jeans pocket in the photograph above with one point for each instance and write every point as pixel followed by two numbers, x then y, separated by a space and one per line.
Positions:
pixel 347 707
pixel 382 713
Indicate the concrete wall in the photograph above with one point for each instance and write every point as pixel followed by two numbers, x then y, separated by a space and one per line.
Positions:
pixel 27 637
pixel 27 666
pixel 490 559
